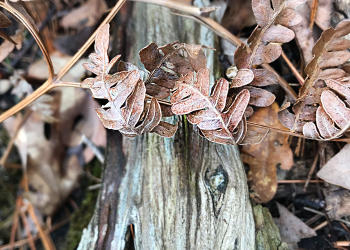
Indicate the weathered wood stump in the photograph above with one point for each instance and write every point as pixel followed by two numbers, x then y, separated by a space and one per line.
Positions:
pixel 178 193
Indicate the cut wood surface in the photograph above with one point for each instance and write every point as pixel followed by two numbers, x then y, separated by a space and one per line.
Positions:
pixel 178 193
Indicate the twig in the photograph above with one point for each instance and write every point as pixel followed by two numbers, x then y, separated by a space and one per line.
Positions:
pixel 23 242
pixel 44 236
pixel 12 141
pixel 293 69
pixel 14 224
pixel 298 181
pixel 7 6
pixel 314 7
pixel 320 226
pixel 29 234
pixel 93 148
pixel 312 170
pixel 52 83
pixel 342 244
pixel 323 214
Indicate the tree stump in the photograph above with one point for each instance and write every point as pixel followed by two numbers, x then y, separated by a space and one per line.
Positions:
pixel 178 193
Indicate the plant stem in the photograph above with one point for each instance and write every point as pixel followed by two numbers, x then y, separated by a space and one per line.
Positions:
pixel 45 87
pixel 52 83
pixel 293 69
pixel 223 33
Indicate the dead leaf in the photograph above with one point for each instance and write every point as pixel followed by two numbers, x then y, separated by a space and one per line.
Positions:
pixel 85 15
pixel 166 64
pixel 191 97
pixel 126 109
pixel 336 109
pixel 260 97
pixel 292 229
pixel 336 171
pixel 338 202
pixel 9 45
pixel 325 124
pixel 330 53
pixel 264 157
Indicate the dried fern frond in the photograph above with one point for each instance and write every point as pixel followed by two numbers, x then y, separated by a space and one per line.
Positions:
pixel 322 110
pixel 168 63
pixel 264 46
pixel 127 109
pixel 191 97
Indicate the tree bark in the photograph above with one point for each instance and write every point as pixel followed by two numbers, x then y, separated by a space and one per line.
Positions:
pixel 178 193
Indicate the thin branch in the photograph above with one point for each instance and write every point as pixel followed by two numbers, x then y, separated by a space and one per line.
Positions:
pixel 51 83
pixel 293 69
pixel 23 242
pixel 298 181
pixel 7 6
pixel 224 33
pixel 312 170
pixel 189 9
pixel 44 88
pixel 13 138
pixel 314 7
pixel 44 236
pixel 323 214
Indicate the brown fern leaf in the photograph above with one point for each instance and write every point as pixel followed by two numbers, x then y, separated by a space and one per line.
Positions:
pixel 324 98
pixel 168 63
pixel 264 46
pixel 191 97
pixel 126 110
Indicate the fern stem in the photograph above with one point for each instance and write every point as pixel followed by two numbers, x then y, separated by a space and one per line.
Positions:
pixel 293 69
pixel 50 83
pixel 45 87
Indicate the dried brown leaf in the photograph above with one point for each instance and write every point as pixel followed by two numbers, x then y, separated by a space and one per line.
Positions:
pixel 336 109
pixel 292 228
pixel 325 124
pixel 263 157
pixel 126 109
pixel 336 171
pixel 260 97
pixel 191 97
pixel 166 64
pixel 85 15
pixel 263 77
pixel 278 34
pixel 267 53
pixel 338 87
pixel 310 131
pixel 243 77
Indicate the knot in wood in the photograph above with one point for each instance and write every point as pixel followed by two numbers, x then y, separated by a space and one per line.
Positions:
pixel 216 180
